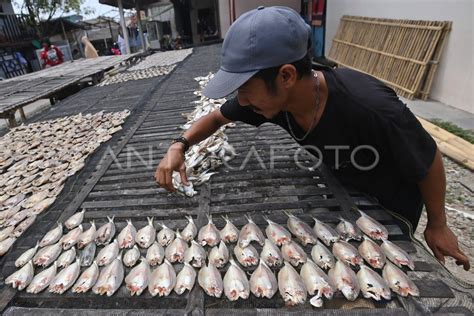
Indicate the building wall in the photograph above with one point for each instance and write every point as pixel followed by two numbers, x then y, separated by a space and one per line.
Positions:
pixel 6 7
pixel 453 84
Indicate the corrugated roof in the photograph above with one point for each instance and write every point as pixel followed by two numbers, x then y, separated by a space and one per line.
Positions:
pixel 128 4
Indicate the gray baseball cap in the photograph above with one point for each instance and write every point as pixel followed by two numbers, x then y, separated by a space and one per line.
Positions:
pixel 261 38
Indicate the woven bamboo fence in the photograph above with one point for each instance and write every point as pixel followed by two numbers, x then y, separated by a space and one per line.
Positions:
pixel 404 54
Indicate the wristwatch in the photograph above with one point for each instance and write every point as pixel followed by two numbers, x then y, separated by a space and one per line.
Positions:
pixel 182 140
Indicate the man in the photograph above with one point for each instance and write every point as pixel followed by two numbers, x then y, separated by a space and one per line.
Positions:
pixel 355 123
pixel 51 55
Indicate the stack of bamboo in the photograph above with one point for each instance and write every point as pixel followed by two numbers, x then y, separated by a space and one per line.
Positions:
pixel 402 53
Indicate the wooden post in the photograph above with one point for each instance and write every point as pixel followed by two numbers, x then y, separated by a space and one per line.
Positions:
pixel 22 114
pixel 11 119
pixel 124 27
pixel 140 27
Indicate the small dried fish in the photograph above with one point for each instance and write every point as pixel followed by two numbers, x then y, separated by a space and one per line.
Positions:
pixel 277 233
pixel 346 252
pixel 236 284
pixel 87 237
pixel 348 231
pixel 271 254
pixel 219 255
pixel 87 255
pixel 126 238
pixel 65 278
pixel 71 238
pixel 185 279
pixel 146 235
pixel 293 253
pixel 372 285
pixel 210 280
pixel 43 205
pixel 131 256
pixel 162 280
pixel 190 231
pixel 75 220
pixel 300 229
pixel 372 253
pixel 322 256
pixel 138 278
pixel 397 255
pixel 317 283
pixel 155 254
pixel 345 280
pixel 324 232
pixel 107 254
pixel 6 232
pixel 18 217
pixel 26 256
pixel 209 234
pixel 110 278
pixel 35 199
pixel 66 258
pixel 399 281
pixel 371 227
pixel 176 250
pixel 45 256
pixel 42 280
pixel 87 279
pixel 165 236
pixel 247 256
pixel 106 232
pixel 52 236
pixel 22 277
pixel 195 255
pixel 250 232
pixel 229 233
pixel 263 282
pixel 291 286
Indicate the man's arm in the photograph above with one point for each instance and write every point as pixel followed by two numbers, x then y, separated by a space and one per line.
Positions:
pixel 438 235
pixel 174 158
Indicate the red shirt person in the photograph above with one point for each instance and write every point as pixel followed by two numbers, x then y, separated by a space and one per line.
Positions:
pixel 51 55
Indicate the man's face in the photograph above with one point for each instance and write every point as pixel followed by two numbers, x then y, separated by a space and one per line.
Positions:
pixel 45 45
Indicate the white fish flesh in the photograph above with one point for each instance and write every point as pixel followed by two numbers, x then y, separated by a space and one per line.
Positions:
pixel 317 283
pixel 293 253
pixel 106 232
pixel 20 228
pixel 195 255
pixel 87 255
pixel 126 237
pixel 43 205
pixel 372 253
pixel 131 256
pixel 371 227
pixel 146 235
pixel 110 278
pixel 325 233
pixel 6 232
pixel 398 281
pixel 165 236
pixel 35 199
pixel 250 232
pixel 26 256
pixel 155 254
pixel 236 284
pixel 87 237
pixel 65 278
pixel 190 231
pixel 301 230
pixel 247 256
pixel 176 250
pixel 219 255
pixel 397 255
pixel 209 234
pixel 229 233
pixel 345 280
pixel 185 279
pixel 71 238
pixel 346 252
pixel 22 277
pixel 372 285
pixel 47 255
pixel 42 280
pixel 210 280
pixel 291 286
pixel 263 282
pixel 322 256
pixel 66 258
pixel 138 278
pixel 271 254
pixel 87 279
pixel 52 236
pixel 18 217
pixel 107 254
pixel 75 220
pixel 348 230
pixel 277 233
pixel 162 280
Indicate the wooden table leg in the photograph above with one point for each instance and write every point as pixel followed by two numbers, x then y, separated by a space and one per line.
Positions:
pixel 11 119
pixel 22 114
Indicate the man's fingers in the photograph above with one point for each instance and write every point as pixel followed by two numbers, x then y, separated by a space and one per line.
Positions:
pixel 169 180
pixel 184 178
pixel 462 259
pixel 438 255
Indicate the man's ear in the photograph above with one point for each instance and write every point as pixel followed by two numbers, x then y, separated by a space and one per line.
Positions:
pixel 288 75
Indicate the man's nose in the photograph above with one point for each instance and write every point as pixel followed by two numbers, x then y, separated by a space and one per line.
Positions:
pixel 243 101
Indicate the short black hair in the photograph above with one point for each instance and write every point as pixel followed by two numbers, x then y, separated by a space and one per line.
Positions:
pixel 268 75
pixel 46 41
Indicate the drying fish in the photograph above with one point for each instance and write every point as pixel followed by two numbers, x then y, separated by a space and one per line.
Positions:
pixel 236 284
pixel 397 255
pixel 324 232
pixel 106 232
pixel 35 199
pixel 346 252
pixel 6 232
pixel 190 231
pixel 146 235
pixel 65 278
pixel 263 282
pixel 247 256
pixel 66 258
pixel 372 285
pixel 13 201
pixel 348 231
pixel 42 280
pixel 291 286
pixel 52 236
pixel 87 279
pixel 271 254
pixel 317 283
pixel 185 279
pixel 229 233
pixel 110 278
pixel 71 238
pixel 44 204
pixel 371 227
pixel 250 232
pixel 165 236
pixel 195 255
pixel 22 277
pixel 20 228
pixel 87 237
pixel 345 280
pixel 18 217
pixel 8 213
pixel 219 255
pixel 26 256
pixel 162 280
pixel 301 230
pixel 87 255
pixel 277 233
pixel 107 254
pixel 131 256
pixel 210 280
pixel 138 278
pixel 187 190
pixel 176 250
pixel 322 256
pixel 45 256
pixel 155 254
pixel 398 281
pixel 293 253
pixel 208 234
pixel 372 253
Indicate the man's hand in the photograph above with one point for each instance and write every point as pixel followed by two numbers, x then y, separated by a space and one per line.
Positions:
pixel 172 161
pixel 443 242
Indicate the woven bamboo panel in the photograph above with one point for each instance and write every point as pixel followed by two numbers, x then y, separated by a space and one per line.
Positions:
pixel 402 53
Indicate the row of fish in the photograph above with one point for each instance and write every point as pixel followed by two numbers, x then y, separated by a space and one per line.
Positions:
pixel 137 75
pixel 37 159
pixel 162 59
